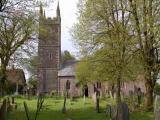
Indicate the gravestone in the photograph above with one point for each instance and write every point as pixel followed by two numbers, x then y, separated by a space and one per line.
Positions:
pixel 157 108
pixel 108 111
pixel 139 96
pixel 111 112
pixel 97 101
pixel 3 110
pixel 122 111
pixel 119 112
pixel 12 99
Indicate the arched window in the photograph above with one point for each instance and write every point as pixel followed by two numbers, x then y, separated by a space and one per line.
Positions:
pixel 67 85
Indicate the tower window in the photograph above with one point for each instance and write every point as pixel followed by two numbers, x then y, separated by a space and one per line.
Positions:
pixel 50 56
pixel 67 85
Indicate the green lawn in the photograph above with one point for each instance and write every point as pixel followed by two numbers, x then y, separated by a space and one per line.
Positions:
pixel 75 110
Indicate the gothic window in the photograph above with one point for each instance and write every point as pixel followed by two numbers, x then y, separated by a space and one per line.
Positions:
pixel 67 85
pixel 50 56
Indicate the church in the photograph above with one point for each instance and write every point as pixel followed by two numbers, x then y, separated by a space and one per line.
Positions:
pixel 52 76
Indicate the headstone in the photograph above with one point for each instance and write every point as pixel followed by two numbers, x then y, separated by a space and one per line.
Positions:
pixel 157 108
pixel 114 112
pixel 94 97
pixel 119 112
pixel 3 110
pixel 9 106
pixel 12 99
pixel 108 110
pixel 97 101
pixel 122 111
pixel 139 96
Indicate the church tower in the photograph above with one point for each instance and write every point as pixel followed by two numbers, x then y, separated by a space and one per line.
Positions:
pixel 49 51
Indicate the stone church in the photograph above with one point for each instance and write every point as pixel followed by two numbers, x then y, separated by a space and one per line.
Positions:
pixel 49 51
pixel 51 75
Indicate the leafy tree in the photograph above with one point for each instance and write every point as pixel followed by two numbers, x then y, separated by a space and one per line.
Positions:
pixel 83 71
pixel 66 56
pixel 124 32
pixel 145 22
pixel 14 32
pixel 104 32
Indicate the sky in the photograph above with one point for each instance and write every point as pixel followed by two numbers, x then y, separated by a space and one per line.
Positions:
pixel 68 10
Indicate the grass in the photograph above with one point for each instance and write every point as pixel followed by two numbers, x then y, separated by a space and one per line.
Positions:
pixel 75 110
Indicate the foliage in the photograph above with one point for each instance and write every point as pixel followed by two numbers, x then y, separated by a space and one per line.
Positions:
pixel 83 72
pixel 145 22
pixel 115 32
pixel 105 36
pixel 15 29
pixel 66 56
pixel 32 82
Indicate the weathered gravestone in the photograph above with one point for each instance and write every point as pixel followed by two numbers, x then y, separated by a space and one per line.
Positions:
pixel 9 106
pixel 3 110
pixel 119 112
pixel 157 108
pixel 122 111
pixel 13 100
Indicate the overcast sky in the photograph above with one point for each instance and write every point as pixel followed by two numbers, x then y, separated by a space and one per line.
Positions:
pixel 68 18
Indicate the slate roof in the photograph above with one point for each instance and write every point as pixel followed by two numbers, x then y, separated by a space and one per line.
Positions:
pixel 68 69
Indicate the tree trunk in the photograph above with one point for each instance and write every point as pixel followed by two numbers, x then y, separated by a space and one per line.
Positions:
pixel 2 78
pixel 149 94
pixel 118 91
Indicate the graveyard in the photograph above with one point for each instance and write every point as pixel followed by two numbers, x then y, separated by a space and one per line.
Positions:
pixel 76 110
pixel 79 59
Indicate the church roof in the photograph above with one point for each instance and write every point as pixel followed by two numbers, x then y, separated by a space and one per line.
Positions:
pixel 68 69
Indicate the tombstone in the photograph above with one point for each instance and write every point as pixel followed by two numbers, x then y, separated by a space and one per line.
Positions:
pixel 9 106
pixel 108 110
pixel 3 110
pixel 122 111
pixel 13 100
pixel 157 108
pixel 97 101
pixel 139 96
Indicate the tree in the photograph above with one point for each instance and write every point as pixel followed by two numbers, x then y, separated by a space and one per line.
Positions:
pixel 83 71
pixel 145 22
pixel 14 32
pixel 104 32
pixel 66 56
